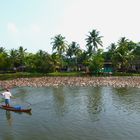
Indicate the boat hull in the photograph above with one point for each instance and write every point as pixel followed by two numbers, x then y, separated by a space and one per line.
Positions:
pixel 14 109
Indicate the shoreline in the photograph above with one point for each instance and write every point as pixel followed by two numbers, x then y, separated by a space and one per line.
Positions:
pixel 72 81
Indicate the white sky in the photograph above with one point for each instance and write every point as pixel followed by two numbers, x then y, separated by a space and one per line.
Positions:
pixel 32 23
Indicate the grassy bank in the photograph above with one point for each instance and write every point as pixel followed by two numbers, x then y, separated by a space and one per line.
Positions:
pixel 10 76
pixel 125 74
pixel 66 74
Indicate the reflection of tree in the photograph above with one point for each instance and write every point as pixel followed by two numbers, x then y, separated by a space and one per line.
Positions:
pixel 59 100
pixel 126 99
pixel 94 106
pixel 9 117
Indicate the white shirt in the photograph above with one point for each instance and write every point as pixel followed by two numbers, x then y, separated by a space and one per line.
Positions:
pixel 6 95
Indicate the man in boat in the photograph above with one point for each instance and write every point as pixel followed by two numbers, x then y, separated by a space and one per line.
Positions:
pixel 7 95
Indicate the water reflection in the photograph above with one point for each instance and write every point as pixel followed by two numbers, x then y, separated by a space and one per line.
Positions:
pixel 75 113
pixel 9 117
pixel 126 99
pixel 94 105
pixel 59 101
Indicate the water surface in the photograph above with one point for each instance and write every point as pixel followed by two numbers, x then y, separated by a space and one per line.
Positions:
pixel 73 113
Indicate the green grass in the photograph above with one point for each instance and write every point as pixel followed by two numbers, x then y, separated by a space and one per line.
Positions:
pixel 125 74
pixel 9 76
pixel 65 74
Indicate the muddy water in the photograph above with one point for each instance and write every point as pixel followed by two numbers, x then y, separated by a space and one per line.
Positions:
pixel 73 113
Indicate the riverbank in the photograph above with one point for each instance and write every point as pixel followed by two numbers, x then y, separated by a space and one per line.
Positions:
pixel 72 81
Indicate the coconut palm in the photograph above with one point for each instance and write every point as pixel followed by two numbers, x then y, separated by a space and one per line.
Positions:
pixel 123 55
pixel 21 55
pixel 123 41
pixel 97 62
pixel 30 62
pixel 136 51
pixel 4 59
pixel 14 58
pixel 43 61
pixel 2 50
pixel 59 44
pixel 111 50
pixel 55 62
pixel 93 41
pixel 73 52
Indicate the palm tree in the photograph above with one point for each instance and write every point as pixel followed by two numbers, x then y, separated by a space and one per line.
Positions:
pixel 73 49
pixel 2 50
pixel 21 55
pixel 112 47
pixel 123 41
pixel 123 55
pixel 73 52
pixel 4 59
pixel 56 62
pixel 30 62
pixel 111 50
pixel 59 44
pixel 43 61
pixel 83 60
pixel 14 58
pixel 97 62
pixel 136 51
pixel 93 40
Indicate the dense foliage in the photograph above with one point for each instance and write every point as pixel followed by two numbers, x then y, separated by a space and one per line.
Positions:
pixel 122 56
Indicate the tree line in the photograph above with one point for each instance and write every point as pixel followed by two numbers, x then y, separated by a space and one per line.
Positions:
pixel 124 56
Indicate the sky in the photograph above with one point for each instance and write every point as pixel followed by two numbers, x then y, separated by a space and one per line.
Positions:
pixel 33 23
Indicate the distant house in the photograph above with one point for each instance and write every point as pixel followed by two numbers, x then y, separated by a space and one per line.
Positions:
pixel 108 69
pixel 135 67
pixel 19 68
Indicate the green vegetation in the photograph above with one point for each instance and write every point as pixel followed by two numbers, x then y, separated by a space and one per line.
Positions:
pixel 53 74
pixel 66 74
pixel 10 76
pixel 68 59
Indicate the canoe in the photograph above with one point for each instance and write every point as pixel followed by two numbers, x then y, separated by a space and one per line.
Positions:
pixel 10 108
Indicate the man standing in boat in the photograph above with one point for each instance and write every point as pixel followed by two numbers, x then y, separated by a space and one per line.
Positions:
pixel 7 95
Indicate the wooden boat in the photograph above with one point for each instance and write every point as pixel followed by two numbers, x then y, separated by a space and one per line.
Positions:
pixel 10 108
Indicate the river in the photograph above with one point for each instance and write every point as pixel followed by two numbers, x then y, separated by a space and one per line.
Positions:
pixel 73 113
